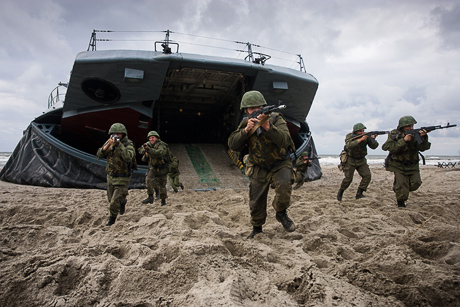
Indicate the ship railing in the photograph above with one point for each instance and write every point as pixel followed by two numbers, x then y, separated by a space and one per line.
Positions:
pixel 252 56
pixel 57 95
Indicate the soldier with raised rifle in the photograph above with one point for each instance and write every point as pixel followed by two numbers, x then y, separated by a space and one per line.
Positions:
pixel 356 144
pixel 403 158
pixel 269 154
pixel 120 154
pixel 156 152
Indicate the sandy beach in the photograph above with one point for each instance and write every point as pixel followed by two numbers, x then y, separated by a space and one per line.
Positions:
pixel 56 251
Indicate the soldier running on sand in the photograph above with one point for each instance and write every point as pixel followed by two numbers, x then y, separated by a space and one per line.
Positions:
pixel 269 153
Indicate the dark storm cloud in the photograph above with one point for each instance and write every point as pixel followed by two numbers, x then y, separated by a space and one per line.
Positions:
pixel 448 22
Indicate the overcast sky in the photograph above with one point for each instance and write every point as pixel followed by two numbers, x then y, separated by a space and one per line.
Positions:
pixel 375 60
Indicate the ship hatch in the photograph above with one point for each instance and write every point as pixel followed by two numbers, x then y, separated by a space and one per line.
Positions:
pixel 198 105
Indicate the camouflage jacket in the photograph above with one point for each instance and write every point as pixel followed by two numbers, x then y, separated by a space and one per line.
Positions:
pixel 119 158
pixel 157 155
pixel 270 148
pixel 301 165
pixel 174 165
pixel 403 155
pixel 357 150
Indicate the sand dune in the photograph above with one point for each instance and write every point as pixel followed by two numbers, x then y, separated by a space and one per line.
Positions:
pixel 55 250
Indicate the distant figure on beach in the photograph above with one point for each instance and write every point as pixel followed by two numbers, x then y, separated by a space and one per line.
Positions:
pixel 174 174
pixel 356 152
pixel 120 154
pixel 302 164
pixel 156 152
pixel 269 155
pixel 403 158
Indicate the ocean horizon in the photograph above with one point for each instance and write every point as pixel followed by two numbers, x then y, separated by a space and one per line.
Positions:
pixel 328 159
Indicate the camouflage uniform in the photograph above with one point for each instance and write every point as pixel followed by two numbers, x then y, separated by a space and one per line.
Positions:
pixel 119 169
pixel 403 160
pixel 269 154
pixel 157 155
pixel 357 152
pixel 174 174
pixel 301 168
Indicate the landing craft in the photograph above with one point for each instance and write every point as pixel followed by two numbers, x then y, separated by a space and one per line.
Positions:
pixel 187 98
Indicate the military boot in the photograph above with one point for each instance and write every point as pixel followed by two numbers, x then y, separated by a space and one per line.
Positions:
pixel 163 202
pixel 359 194
pixel 287 223
pixel 401 204
pixel 182 186
pixel 255 230
pixel 123 207
pixel 340 194
pixel 111 221
pixel 148 200
pixel 296 186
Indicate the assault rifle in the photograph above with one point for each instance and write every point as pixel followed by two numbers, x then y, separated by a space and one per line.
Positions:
pixel 370 133
pixel 314 158
pixel 264 110
pixel 267 110
pixel 416 132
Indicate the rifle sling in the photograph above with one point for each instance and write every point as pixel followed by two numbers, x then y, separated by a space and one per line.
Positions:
pixel 260 123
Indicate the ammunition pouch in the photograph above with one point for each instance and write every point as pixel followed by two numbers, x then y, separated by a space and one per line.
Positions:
pixel 248 166
pixel 343 159
pixel 343 156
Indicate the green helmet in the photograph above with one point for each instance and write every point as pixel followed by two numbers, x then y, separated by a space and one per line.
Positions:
pixel 406 121
pixel 358 126
pixel 304 154
pixel 154 133
pixel 118 128
pixel 252 99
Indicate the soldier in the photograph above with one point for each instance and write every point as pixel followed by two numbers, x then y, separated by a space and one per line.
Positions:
pixel 120 152
pixel 174 174
pixel 269 153
pixel 356 148
pixel 302 164
pixel 403 158
pixel 156 152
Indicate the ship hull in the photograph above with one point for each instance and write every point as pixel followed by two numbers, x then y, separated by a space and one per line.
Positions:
pixel 186 98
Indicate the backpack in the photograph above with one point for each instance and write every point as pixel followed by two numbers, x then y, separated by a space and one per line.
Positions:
pixel 343 159
pixel 132 165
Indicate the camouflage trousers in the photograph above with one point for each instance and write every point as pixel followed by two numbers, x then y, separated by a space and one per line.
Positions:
pixel 363 171
pixel 174 181
pixel 299 177
pixel 156 184
pixel 405 183
pixel 116 195
pixel 258 192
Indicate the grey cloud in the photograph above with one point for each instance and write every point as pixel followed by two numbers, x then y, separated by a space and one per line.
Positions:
pixel 448 23
pixel 415 95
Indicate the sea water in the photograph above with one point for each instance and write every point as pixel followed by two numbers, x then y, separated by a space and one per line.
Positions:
pixel 380 159
pixel 4 156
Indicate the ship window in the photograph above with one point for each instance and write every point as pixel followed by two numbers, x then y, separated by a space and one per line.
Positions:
pixel 133 75
pixel 279 87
